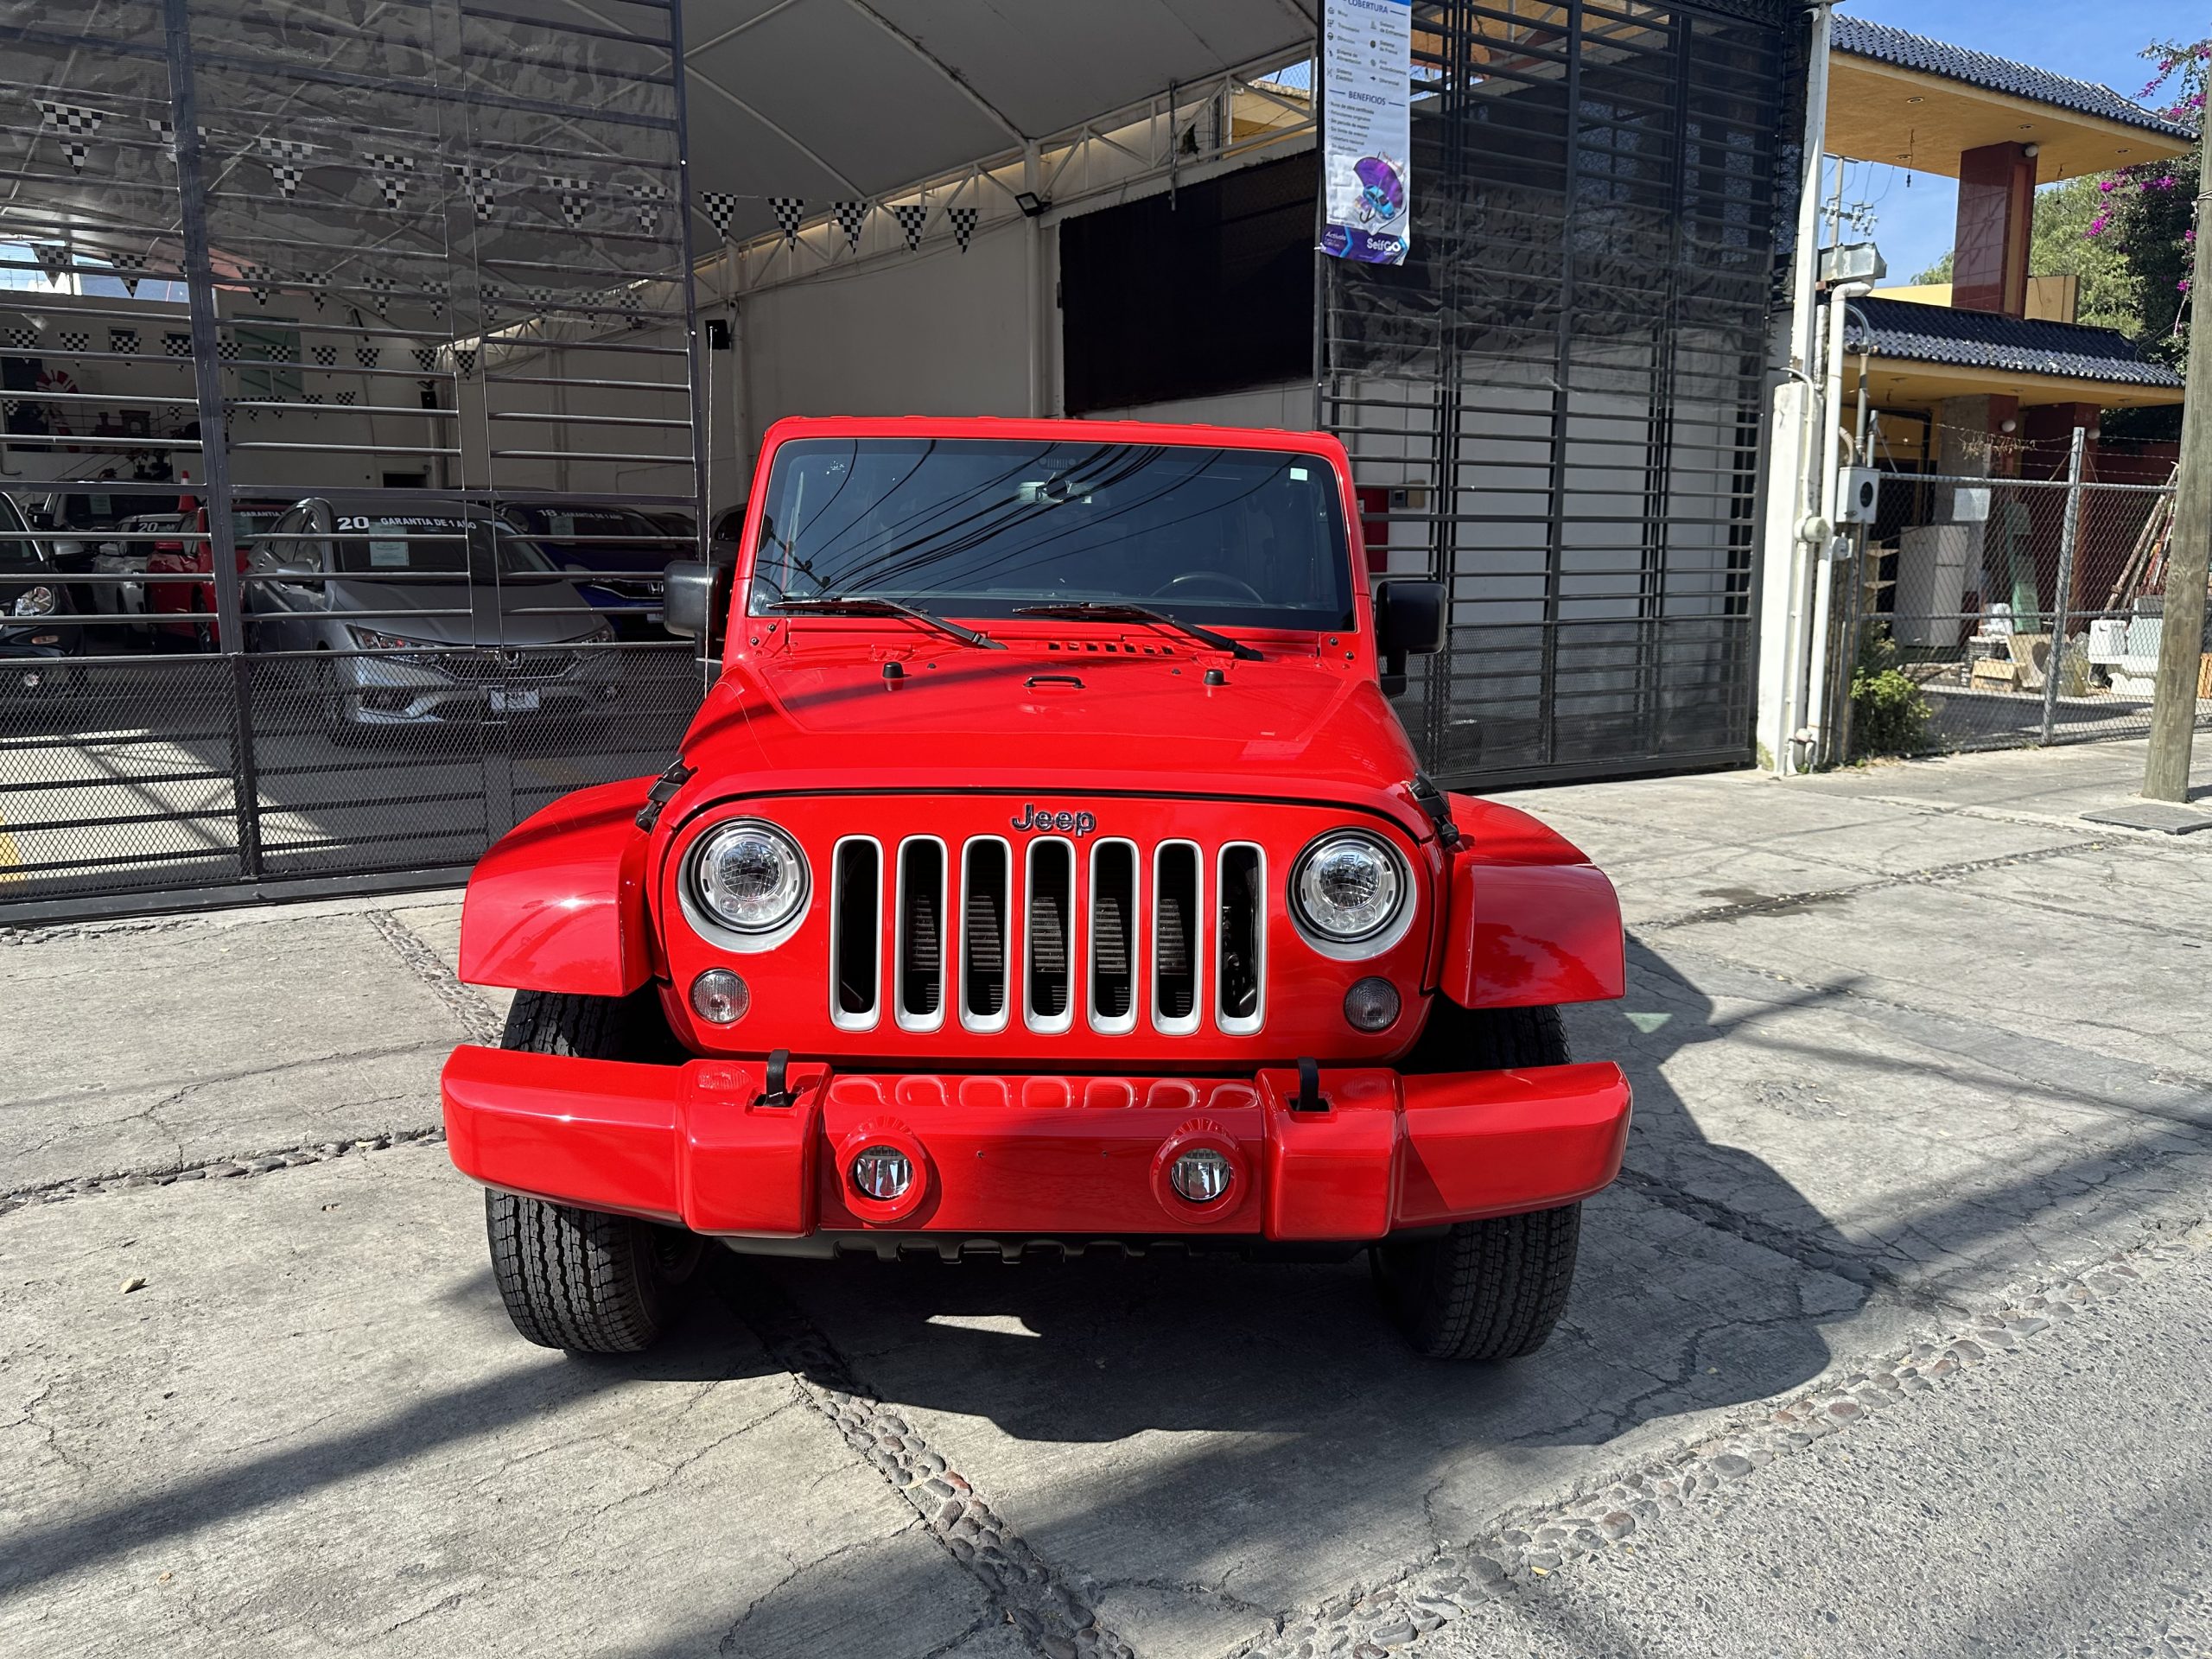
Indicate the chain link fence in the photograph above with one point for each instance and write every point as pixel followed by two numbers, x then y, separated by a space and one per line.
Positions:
pixel 2009 613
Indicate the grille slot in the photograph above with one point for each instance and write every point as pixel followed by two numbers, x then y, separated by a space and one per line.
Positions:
pixel 1047 943
pixel 1241 939
pixel 921 933
pixel 985 896
pixel 855 932
pixel 1114 936
pixel 1177 936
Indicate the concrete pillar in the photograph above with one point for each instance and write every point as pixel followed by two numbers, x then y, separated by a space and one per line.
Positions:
pixel 1997 193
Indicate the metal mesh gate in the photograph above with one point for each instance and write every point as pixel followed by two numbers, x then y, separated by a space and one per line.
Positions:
pixel 349 421
pixel 2006 611
pixel 1554 404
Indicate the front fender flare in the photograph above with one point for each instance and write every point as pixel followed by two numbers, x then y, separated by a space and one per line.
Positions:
pixel 559 902
pixel 1531 921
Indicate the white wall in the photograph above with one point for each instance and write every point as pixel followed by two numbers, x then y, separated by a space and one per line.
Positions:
pixel 937 333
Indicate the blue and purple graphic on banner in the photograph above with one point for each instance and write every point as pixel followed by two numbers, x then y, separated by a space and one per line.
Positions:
pixel 1367 129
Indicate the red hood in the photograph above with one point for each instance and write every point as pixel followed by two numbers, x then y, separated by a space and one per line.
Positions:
pixel 822 717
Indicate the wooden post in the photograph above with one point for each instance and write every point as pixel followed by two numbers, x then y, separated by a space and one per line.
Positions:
pixel 2173 706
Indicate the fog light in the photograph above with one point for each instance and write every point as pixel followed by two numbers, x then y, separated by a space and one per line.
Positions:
pixel 1200 1175
pixel 720 997
pixel 1371 1004
pixel 882 1173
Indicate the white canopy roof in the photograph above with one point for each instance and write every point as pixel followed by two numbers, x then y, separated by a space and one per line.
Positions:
pixel 828 99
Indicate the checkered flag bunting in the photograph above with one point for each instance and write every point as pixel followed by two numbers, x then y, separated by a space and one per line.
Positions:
pixel 128 265
pixel 286 160
pixel 381 289
pixel 326 356
pixel 260 279
pixel 54 260
pixel 648 198
pixel 73 124
pixel 366 356
pixel 125 341
pixel 177 345
pixel 345 396
pixel 790 213
pixel 22 339
pixel 464 359
pixel 392 170
pixel 426 359
pixel 76 340
pixel 851 215
pixel 912 217
pixel 964 224
pixel 225 348
pixel 574 194
pixel 481 182
pixel 720 208
pixel 166 132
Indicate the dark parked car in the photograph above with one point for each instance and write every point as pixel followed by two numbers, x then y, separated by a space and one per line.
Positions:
pixel 38 624
pixel 615 555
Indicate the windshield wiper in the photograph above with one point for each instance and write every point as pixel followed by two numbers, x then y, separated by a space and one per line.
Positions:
pixel 1083 611
pixel 871 604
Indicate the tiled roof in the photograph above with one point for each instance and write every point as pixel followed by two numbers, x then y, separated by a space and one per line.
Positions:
pixel 1984 340
pixel 1887 45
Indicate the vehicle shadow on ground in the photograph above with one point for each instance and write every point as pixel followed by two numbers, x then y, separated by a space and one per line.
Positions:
pixel 1098 1348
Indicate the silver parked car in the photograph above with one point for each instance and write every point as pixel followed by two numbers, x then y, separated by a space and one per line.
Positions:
pixel 419 614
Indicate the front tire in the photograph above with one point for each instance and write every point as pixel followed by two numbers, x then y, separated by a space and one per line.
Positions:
pixel 1490 1289
pixel 581 1280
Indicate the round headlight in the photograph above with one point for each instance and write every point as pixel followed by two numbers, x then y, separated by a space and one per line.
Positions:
pixel 750 876
pixel 35 601
pixel 1348 887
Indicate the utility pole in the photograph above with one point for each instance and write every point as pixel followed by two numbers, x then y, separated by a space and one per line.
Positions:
pixel 2173 706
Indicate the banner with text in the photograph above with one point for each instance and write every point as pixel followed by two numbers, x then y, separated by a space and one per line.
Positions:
pixel 1367 129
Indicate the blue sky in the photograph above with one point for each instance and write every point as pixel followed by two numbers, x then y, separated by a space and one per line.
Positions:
pixel 1913 223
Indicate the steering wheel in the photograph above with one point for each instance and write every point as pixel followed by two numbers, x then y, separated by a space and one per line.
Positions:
pixel 1219 579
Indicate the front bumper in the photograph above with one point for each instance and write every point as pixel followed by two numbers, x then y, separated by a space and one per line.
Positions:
pixel 697 1146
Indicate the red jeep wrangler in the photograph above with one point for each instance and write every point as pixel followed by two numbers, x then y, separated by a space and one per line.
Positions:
pixel 1044 869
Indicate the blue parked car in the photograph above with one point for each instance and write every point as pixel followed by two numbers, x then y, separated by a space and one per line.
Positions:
pixel 624 551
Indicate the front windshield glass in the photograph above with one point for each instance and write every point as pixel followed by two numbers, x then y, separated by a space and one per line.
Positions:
pixel 421 545
pixel 985 527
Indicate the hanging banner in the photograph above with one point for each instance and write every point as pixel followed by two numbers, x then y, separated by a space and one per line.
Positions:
pixel 1367 61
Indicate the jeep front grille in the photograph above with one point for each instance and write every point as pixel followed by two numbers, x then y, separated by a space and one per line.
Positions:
pixel 1111 934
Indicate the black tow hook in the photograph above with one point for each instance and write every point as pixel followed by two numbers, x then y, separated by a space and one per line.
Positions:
pixel 1310 1098
pixel 776 1093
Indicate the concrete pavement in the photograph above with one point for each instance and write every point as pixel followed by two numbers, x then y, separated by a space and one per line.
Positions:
pixel 1909 1045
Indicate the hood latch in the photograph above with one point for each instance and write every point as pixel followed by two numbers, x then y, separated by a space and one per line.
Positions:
pixel 664 792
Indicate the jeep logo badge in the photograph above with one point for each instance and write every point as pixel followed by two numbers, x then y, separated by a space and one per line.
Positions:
pixel 1038 818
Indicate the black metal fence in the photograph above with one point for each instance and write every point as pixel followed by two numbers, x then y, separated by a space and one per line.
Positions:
pixel 1556 400
pixel 349 421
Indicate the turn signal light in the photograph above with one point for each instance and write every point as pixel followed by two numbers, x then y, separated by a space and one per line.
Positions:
pixel 720 997
pixel 1371 1004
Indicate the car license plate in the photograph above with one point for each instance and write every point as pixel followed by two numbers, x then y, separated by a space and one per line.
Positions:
pixel 514 702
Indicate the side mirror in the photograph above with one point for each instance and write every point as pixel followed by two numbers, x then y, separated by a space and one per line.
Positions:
pixel 696 600
pixel 1408 618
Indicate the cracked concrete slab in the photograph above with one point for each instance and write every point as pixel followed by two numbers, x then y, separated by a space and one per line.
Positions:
pixel 135 1048
pixel 313 1430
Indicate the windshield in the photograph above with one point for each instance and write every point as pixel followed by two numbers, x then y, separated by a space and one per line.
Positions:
pixel 425 544
pixel 983 527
